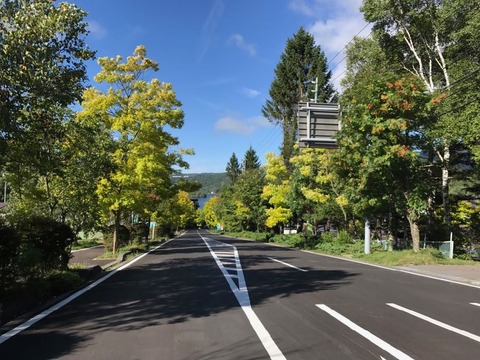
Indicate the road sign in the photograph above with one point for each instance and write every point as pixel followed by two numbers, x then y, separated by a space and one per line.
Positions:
pixel 317 125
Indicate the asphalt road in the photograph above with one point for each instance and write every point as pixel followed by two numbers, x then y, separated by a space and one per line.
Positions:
pixel 203 296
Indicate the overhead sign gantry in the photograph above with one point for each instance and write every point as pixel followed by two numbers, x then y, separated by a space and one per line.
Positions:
pixel 317 124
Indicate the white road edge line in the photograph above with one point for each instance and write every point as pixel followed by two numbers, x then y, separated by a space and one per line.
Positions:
pixel 475 304
pixel 436 322
pixel 4 337
pixel 241 294
pixel 365 333
pixel 372 265
pixel 389 268
pixel 287 264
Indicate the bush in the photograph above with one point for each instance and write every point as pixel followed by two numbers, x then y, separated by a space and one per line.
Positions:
pixel 62 281
pixel 123 238
pixel 9 251
pixel 292 240
pixel 139 233
pixel 45 244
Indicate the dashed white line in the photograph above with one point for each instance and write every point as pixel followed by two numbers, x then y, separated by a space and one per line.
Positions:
pixel 436 322
pixel 366 334
pixel 287 264
pixel 475 304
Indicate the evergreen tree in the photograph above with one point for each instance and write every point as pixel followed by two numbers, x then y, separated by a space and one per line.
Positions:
pixel 233 168
pixel 250 160
pixel 301 63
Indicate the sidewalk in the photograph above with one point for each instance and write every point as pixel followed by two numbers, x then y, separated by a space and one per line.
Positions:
pixel 469 274
pixel 88 257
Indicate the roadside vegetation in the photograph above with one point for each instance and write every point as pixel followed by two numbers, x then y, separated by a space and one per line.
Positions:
pixel 100 158
pixel 343 245
pixel 407 152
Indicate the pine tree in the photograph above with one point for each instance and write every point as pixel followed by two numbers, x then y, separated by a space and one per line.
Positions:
pixel 233 168
pixel 250 160
pixel 301 63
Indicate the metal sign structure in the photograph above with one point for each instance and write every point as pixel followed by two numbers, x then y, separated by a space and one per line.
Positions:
pixel 317 125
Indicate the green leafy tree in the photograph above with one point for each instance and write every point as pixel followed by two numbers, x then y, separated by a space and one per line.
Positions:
pixel 210 212
pixel 136 113
pixel 379 144
pixel 176 213
pixel 233 169
pixel 250 207
pixel 300 63
pixel 42 71
pixel 424 37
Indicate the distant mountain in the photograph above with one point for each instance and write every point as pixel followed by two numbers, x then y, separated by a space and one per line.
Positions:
pixel 211 182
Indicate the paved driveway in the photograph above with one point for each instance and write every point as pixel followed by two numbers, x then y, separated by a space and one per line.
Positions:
pixel 89 257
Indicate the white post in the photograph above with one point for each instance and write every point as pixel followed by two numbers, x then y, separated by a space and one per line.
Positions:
pixel 367 236
pixel 4 187
pixel 451 246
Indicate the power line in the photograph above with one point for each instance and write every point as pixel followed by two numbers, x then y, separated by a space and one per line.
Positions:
pixel 349 44
pixel 475 99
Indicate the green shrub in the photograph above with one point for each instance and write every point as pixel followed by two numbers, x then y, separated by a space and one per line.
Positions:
pixel 139 233
pixel 123 238
pixel 9 251
pixel 344 238
pixel 45 244
pixel 291 240
pixel 327 237
pixel 60 282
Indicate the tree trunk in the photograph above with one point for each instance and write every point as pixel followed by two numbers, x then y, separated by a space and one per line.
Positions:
pixel 414 231
pixel 116 231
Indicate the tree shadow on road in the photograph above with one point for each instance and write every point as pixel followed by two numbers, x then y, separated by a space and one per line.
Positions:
pixel 171 286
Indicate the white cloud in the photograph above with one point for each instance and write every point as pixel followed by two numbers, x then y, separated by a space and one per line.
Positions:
pixel 209 28
pixel 239 126
pixel 239 42
pixel 96 29
pixel 335 25
pixel 251 93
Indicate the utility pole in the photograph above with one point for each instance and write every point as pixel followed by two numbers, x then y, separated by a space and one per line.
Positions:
pixel 4 187
pixel 367 236
pixel 315 99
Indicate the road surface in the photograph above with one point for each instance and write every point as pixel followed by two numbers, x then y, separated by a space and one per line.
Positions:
pixel 203 296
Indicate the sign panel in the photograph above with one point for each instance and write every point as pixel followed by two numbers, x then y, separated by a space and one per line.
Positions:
pixel 317 124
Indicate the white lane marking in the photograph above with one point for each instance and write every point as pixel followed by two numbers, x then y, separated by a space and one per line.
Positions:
pixel 241 294
pixel 475 304
pixel 287 264
pixel 389 268
pixel 366 334
pixel 436 322
pixel 4 337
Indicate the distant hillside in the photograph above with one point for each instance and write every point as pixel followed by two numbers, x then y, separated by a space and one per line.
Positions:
pixel 211 182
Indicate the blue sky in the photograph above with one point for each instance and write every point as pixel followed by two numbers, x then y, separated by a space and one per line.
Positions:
pixel 220 56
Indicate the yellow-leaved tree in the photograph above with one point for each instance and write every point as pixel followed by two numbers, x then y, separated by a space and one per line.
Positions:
pixel 136 114
pixel 276 190
pixel 318 183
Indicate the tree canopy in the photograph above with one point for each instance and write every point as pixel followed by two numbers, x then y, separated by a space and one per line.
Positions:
pixel 301 64
pixel 135 113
